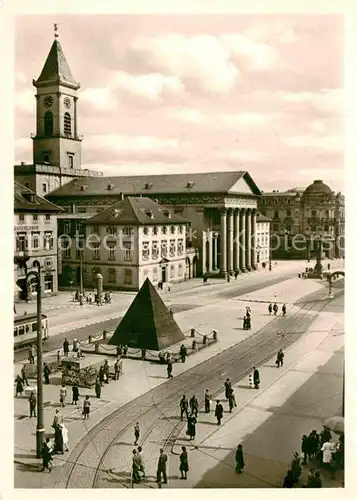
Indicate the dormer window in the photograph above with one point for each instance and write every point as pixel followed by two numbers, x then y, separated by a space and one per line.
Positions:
pixel 190 184
pixel 167 213
pixel 82 187
pixel 110 186
pixel 148 185
pixel 150 214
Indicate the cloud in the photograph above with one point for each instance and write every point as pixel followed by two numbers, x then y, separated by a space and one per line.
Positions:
pixel 25 101
pixel 152 86
pixel 142 143
pixel 188 115
pixel 327 100
pixel 100 98
pixel 272 31
pixel 324 143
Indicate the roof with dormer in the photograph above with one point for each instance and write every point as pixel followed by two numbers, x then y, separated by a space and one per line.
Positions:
pixel 25 200
pixel 56 68
pixel 204 182
pixel 136 211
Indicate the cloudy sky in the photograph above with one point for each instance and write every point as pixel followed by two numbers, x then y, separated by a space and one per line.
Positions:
pixel 197 93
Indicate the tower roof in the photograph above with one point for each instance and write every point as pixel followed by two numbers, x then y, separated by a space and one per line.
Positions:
pixel 147 323
pixel 56 69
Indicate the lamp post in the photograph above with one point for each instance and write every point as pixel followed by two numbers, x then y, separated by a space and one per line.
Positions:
pixel 21 260
pixel 318 265
pixel 80 248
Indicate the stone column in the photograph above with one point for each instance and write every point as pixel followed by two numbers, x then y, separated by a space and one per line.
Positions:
pixel 215 251
pixel 248 242
pixel 203 254
pixel 230 242
pixel 236 241
pixel 223 263
pixel 210 251
pixel 242 240
pixel 254 239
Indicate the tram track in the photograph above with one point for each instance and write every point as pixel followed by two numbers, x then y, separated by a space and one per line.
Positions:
pixel 80 471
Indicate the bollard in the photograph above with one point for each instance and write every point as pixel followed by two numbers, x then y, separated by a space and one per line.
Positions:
pixel 89 339
pixel 204 340
pixel 192 332
pixel 194 345
pixel 214 334
pixel 96 348
pixel 104 334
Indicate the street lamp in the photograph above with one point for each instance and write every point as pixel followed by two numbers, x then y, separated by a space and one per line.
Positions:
pixel 318 265
pixel 21 261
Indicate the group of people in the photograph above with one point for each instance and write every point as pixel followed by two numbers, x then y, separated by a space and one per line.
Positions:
pixel 275 309
pixel 247 324
pixel 58 445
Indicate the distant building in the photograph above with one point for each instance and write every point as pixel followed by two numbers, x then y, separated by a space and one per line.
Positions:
pixel 299 216
pixel 35 235
pixel 56 142
pixel 128 242
pixel 263 240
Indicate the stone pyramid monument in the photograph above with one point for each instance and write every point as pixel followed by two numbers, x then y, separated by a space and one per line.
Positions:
pixel 147 323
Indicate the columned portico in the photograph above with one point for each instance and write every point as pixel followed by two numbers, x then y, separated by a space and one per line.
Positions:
pixel 230 241
pixel 223 263
pixel 204 253
pixel 215 251
pixel 254 239
pixel 236 246
pixel 248 243
pixel 242 239
pixel 210 251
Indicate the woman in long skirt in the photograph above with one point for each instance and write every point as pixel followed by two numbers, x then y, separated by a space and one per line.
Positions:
pixel 184 463
pixel 239 459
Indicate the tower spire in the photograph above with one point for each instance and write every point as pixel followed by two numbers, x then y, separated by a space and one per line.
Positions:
pixel 55 28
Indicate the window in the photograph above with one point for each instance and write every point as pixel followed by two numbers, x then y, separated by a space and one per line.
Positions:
pixel 35 218
pixel 327 213
pixel 172 271
pixel 276 215
pixel 172 229
pixel 154 274
pixel 46 157
pixel 21 217
pixel 21 242
pixel 48 217
pixel 155 230
pixel 48 282
pixel 35 241
pixel 180 229
pixel 111 254
pixel 326 228
pixel 180 270
pixel 67 253
pixel 70 161
pixel 48 240
pixel 313 213
pixel 96 252
pixel 44 187
pixel 128 276
pixel 127 251
pixel 48 122
pixel 111 275
pixel 79 228
pixel 288 213
pixel 172 248
pixel 180 247
pixel 112 230
pixel 313 227
pixel 275 227
pixel 67 125
pixel 288 201
pixel 155 250
pixel 67 227
pixel 164 249
pixel 145 251
pixel 164 229
pixel 145 230
pixel 127 231
pixel 95 229
pixel 275 201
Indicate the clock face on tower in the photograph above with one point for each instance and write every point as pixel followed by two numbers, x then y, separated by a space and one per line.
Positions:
pixel 67 102
pixel 48 101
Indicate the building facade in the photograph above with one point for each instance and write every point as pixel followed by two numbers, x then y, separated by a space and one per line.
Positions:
pixel 299 216
pixel 35 238
pixel 128 242
pixel 263 240
pixel 56 142
pixel 221 206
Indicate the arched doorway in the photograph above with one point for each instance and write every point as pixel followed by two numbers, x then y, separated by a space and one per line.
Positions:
pixel 188 269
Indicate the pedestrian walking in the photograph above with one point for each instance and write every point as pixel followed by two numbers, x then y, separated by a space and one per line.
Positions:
pixel 135 468
pixel 191 426
pixel 231 401
pixel 63 395
pixel 19 385
pixel 65 347
pixel 183 353
pixel 248 323
pixel 239 459
pixel 46 373
pixel 161 467
pixel 270 309
pixel 275 308
pixel 141 463
pixel 32 403
pixel 207 401
pixel 136 433
pixel 194 405
pixel 218 412
pixel 245 323
pixel 31 355
pixel 184 407
pixel 169 368
pixel 98 388
pixel 288 480
pixel 75 394
pixel 327 450
pixel 184 463
pixel 314 443
pixel 24 376
pixel 116 370
pixel 64 431
pixel 283 310
pixel 256 378
pixel 56 419
pixel 58 440
pixel 106 371
pixel 305 448
pixel 227 388
pixel 279 358
pixel 46 456
pixel 86 407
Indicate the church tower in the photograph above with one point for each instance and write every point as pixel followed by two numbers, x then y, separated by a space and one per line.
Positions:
pixel 56 141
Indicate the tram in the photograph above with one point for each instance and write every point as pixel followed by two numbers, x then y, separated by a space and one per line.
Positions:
pixel 25 330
